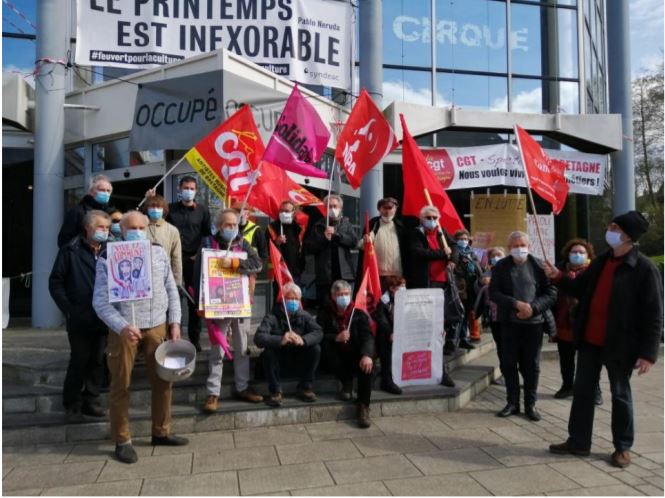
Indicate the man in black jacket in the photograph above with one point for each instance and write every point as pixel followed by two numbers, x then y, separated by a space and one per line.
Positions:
pixel 287 235
pixel 292 342
pixel 71 284
pixel 522 293
pixel 331 241
pixel 97 198
pixel 619 325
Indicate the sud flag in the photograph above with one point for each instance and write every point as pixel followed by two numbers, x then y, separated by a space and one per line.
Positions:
pixel 365 140
pixel 281 272
pixel 300 138
pixel 544 175
pixel 418 177
pixel 225 159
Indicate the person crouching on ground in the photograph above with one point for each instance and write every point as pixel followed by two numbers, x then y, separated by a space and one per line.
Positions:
pixel 147 332
pixel 385 319
pixel 348 347
pixel 297 346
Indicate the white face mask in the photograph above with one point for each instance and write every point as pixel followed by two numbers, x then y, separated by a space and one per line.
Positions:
pixel 519 253
pixel 334 212
pixel 387 219
pixel 613 239
pixel 286 218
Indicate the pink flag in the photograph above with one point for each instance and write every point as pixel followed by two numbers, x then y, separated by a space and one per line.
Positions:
pixel 300 138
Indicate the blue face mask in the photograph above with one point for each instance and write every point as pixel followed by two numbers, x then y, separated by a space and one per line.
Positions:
pixel 102 197
pixel 292 305
pixel 100 236
pixel 135 234
pixel 115 229
pixel 155 213
pixel 577 259
pixel 462 244
pixel 429 224
pixel 494 260
pixel 187 195
pixel 343 301
pixel 228 234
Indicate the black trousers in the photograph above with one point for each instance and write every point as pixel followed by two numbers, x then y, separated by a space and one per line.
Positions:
pixel 521 344
pixel 580 423
pixel 344 362
pixel 495 327
pixel 85 372
pixel 303 360
pixel 193 320
pixel 384 347
pixel 566 362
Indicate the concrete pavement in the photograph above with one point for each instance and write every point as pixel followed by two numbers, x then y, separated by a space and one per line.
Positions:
pixel 467 452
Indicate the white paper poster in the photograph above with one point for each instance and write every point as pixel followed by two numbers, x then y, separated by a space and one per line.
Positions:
pixel 546 222
pixel 129 270
pixel 224 293
pixel 418 337
pixel 309 41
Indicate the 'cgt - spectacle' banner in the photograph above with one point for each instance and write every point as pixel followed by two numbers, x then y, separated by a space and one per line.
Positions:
pixel 490 165
pixel 309 41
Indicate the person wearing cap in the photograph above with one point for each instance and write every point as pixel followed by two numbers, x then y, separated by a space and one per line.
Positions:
pixel 619 324
pixel 389 236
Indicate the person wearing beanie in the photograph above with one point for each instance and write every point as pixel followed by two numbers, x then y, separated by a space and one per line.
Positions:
pixel 619 324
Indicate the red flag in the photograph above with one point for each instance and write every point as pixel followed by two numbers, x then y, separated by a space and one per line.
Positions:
pixel 544 175
pixel 281 272
pixel 226 157
pixel 365 140
pixel 364 300
pixel 418 177
pixel 371 266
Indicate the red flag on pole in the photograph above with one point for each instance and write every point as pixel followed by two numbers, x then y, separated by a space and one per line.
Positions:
pixel 281 272
pixel 371 266
pixel 365 140
pixel 418 178
pixel 543 174
pixel 364 301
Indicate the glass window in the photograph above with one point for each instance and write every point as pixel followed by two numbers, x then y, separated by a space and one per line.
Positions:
pixel 567 36
pixel 527 95
pixel 471 91
pixel 19 55
pixel 400 85
pixel 471 35
pixel 525 43
pixel 569 98
pixel 75 161
pixel 407 32
pixel 116 155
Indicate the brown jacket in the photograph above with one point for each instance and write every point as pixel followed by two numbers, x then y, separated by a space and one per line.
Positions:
pixel 167 236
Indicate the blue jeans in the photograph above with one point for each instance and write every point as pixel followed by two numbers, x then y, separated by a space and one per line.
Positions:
pixel 580 423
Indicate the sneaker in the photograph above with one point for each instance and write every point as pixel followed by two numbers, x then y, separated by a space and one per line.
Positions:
pixel 564 392
pixel 621 459
pixel 93 410
pixel 275 399
pixel 74 416
pixel 364 421
pixel 390 387
pixel 126 453
pixel 210 406
pixel 169 441
pixel 447 380
pixel 568 449
pixel 306 395
pixel 466 345
pixel 249 395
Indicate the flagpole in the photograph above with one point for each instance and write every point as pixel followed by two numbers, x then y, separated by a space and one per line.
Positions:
pixel 443 238
pixel 332 173
pixel 255 175
pixel 286 313
pixel 162 179
pixel 528 190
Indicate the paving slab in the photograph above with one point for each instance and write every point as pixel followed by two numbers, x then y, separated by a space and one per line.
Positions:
pixel 411 424
pixel 465 438
pixel 339 430
pixel 234 459
pixel 648 442
pixel 393 443
pixel 284 478
pixel 516 434
pixel 449 462
pixel 372 469
pixel 17 456
pixel 22 492
pixel 321 451
pixel 650 490
pixel 91 452
pixel 516 455
pixel 117 488
pixel 471 418
pixel 584 474
pixel 373 488
pixel 210 442
pixel 293 434
pixel 449 485
pixel 153 466
pixel 520 481
pixel 212 484
pixel 617 490
pixel 47 476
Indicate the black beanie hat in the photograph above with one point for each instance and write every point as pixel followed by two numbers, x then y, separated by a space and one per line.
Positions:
pixel 633 223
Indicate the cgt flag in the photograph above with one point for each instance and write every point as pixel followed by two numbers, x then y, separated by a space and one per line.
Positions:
pixel 365 140
pixel 300 138
pixel 418 177
pixel 543 174
pixel 226 158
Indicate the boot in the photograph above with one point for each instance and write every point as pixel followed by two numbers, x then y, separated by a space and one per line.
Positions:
pixel 446 379
pixel 363 416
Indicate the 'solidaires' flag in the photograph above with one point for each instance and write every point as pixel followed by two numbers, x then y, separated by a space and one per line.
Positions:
pixel 371 265
pixel 544 175
pixel 300 138
pixel 418 177
pixel 281 272
pixel 225 159
pixel 365 140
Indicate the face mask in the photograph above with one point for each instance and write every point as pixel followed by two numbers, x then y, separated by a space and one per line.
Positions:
pixel 100 236
pixel 286 218
pixel 343 301
pixel 429 224
pixel 187 195
pixel 494 260
pixel 102 197
pixel 576 258
pixel 519 253
pixel 228 234
pixel 387 219
pixel 115 228
pixel 135 234
pixel 292 305
pixel 334 213
pixel 155 213
pixel 462 244
pixel 613 239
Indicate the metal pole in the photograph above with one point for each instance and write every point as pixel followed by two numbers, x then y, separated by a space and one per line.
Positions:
pixel 623 170
pixel 371 78
pixel 49 168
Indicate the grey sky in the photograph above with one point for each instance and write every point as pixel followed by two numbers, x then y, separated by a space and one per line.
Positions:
pixel 646 34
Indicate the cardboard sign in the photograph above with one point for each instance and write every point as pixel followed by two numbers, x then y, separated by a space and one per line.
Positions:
pixel 129 270
pixel 224 293
pixel 499 215
pixel 418 337
pixel 546 222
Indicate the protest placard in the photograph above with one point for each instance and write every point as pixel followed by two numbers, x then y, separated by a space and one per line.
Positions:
pixel 129 269
pixel 224 292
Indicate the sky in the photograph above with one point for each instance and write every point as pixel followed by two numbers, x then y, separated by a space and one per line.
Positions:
pixel 646 35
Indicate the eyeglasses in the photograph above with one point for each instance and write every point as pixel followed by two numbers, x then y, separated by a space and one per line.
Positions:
pixel 431 217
